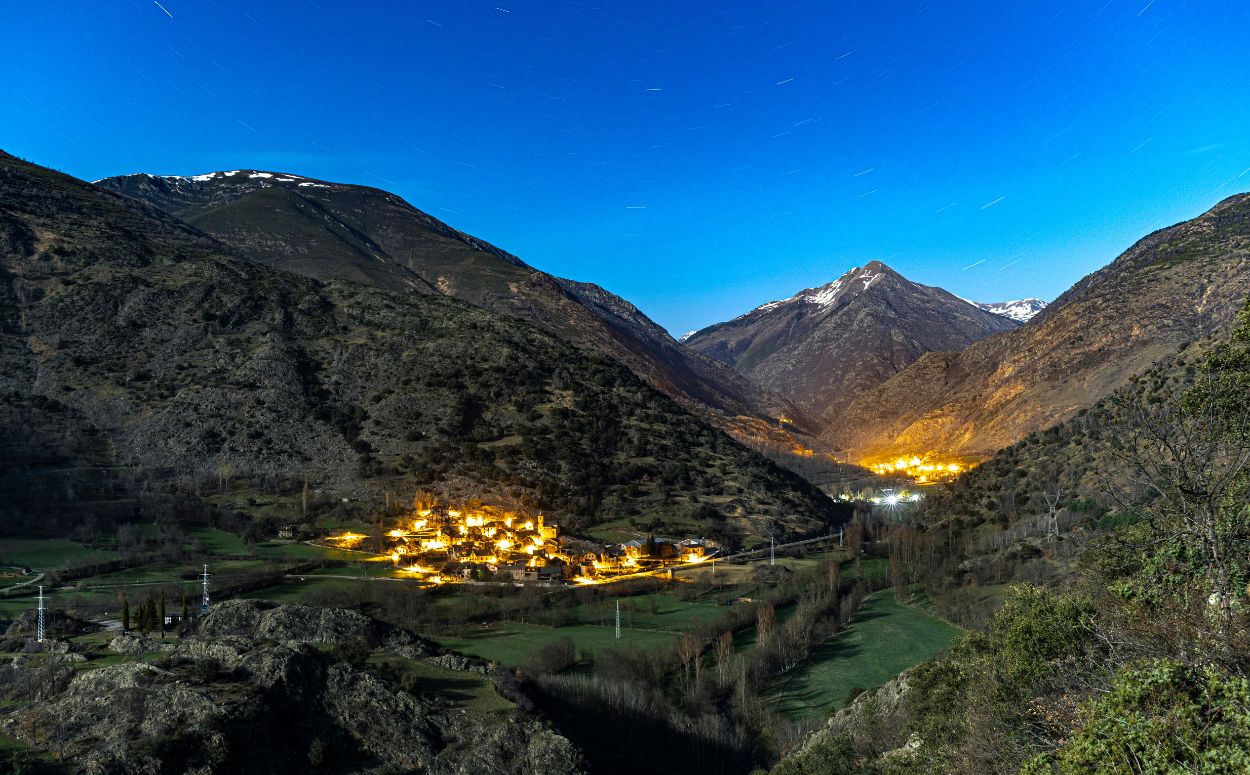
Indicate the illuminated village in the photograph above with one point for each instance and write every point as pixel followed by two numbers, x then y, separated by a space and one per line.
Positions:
pixel 922 469
pixel 441 546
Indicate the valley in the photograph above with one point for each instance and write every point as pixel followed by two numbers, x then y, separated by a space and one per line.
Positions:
pixel 274 447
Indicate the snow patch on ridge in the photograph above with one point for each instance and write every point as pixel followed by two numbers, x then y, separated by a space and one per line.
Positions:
pixel 1021 310
pixel 826 295
pixel 207 176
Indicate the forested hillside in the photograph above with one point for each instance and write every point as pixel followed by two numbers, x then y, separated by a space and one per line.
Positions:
pixel 328 230
pixel 146 368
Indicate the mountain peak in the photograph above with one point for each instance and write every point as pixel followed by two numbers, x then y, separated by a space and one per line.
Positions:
pixel 249 178
pixel 854 281
pixel 823 346
pixel 1020 310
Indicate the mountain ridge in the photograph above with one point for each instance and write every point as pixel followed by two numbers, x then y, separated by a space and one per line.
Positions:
pixel 331 230
pixel 824 345
pixel 1171 287
pixel 144 364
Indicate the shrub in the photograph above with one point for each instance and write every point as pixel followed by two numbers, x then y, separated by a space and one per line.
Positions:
pixel 1161 716
pixel 552 657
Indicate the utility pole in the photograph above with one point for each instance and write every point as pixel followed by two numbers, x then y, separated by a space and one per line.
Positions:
pixel 618 619
pixel 39 618
pixel 839 537
pixel 204 603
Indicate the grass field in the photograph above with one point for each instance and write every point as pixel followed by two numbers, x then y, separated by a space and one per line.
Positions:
pixel 48 554
pixel 218 542
pixel 165 572
pixel 511 643
pixel 650 612
pixel 741 572
pixel 297 551
pixel 885 639
pixel 470 691
pixel 305 591
pixel 12 607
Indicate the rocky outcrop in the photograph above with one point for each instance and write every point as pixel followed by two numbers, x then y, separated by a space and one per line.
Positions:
pixel 874 724
pixel 875 707
pixel 461 663
pixel 131 644
pixel 226 701
pixel 258 621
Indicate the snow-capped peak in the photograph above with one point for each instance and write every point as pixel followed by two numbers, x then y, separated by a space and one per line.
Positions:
pixel 826 295
pixel 687 335
pixel 1020 310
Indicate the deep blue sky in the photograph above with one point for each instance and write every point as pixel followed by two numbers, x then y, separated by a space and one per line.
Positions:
pixel 698 158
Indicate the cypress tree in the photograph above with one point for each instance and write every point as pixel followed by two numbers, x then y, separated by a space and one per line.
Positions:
pixel 125 614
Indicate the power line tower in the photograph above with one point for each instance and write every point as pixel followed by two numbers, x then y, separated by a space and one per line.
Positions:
pixel 772 550
pixel 204 602
pixel 39 617
pixel 1052 516
pixel 618 619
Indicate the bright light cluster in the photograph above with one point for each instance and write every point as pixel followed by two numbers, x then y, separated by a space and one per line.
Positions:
pixel 923 469
pixel 450 545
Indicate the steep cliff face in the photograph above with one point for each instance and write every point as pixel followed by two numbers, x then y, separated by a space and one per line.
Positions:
pixel 1175 286
pixel 824 346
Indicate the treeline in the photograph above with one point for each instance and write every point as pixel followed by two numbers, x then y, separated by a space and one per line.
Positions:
pixel 703 694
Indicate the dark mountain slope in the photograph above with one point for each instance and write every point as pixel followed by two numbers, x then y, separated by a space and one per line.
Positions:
pixel 329 230
pixel 1175 286
pixel 824 346
pixel 141 360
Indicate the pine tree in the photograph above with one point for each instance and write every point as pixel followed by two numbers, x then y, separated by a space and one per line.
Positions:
pixel 149 614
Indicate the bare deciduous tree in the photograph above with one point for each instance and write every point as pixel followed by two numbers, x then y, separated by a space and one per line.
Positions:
pixel 1189 452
